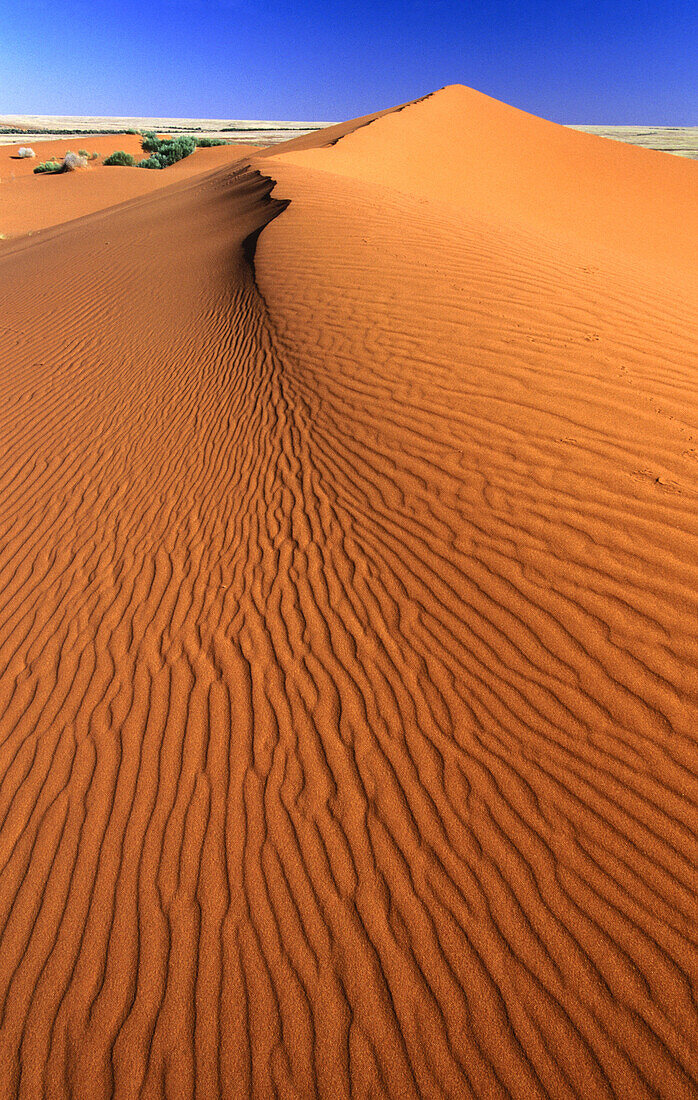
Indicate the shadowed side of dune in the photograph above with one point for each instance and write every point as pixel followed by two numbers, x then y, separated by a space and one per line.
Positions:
pixel 144 503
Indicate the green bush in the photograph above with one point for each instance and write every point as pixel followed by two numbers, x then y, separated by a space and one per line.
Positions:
pixel 167 152
pixel 49 166
pixel 94 156
pixel 83 153
pixel 207 142
pixel 124 160
pixel 150 142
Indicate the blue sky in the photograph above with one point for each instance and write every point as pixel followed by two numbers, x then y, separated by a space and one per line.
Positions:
pixel 615 61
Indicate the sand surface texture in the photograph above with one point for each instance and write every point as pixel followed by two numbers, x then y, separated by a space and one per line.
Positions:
pixel 348 602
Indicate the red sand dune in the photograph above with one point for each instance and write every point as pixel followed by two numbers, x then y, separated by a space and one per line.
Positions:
pixel 348 590
pixel 30 202
pixel 465 149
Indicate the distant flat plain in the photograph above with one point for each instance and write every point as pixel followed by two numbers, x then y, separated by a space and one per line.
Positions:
pixel 678 140
pixel 14 128
pixel 682 141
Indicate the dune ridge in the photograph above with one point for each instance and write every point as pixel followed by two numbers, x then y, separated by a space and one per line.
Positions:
pixel 347 651
pixel 466 149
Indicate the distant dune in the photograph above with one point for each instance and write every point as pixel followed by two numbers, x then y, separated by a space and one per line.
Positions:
pixel 348 591
pixel 31 203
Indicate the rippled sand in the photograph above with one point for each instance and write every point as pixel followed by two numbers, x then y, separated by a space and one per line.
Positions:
pixel 348 591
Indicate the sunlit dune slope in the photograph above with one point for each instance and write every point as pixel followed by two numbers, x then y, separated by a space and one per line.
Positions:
pixel 462 147
pixel 348 662
pixel 504 416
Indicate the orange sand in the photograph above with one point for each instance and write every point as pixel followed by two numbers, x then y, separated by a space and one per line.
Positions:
pixel 12 166
pixel 30 202
pixel 348 590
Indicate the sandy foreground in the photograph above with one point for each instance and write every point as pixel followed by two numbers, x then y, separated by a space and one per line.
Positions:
pixel 348 602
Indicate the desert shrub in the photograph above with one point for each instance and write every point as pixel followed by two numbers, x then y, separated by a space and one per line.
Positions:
pixel 83 153
pixel 208 142
pixel 94 156
pixel 72 161
pixel 48 166
pixel 124 160
pixel 150 142
pixel 169 152
pixel 25 151
pixel 131 131
pixel 178 149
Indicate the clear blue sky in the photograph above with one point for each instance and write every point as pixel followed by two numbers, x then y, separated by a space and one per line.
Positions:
pixel 621 61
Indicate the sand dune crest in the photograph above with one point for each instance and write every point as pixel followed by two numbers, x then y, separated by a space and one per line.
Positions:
pixel 348 531
pixel 461 147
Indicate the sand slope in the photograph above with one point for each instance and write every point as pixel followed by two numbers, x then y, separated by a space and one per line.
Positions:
pixel 31 203
pixel 347 639
pixel 466 149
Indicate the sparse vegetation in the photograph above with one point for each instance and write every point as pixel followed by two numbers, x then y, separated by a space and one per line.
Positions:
pixel 120 158
pixel 25 151
pixel 72 161
pixel 165 152
pixel 151 142
pixel 48 166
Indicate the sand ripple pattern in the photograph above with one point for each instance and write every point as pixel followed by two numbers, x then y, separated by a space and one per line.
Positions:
pixel 347 737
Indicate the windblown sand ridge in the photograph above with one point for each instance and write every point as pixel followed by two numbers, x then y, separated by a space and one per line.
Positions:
pixel 347 605
pixel 465 149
